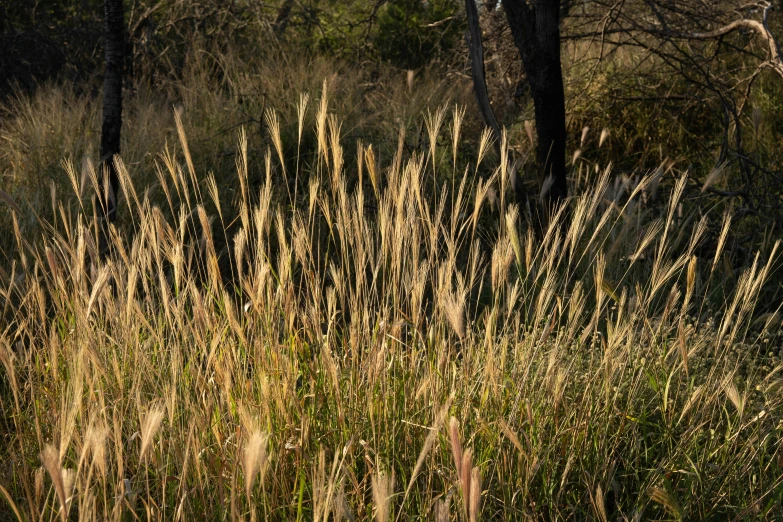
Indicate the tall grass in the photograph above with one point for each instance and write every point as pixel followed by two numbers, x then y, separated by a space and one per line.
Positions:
pixel 216 91
pixel 392 348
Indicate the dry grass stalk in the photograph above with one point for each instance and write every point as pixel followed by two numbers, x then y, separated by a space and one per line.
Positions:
pixel 469 476
pixel 667 500
pixel 465 475
pixel 50 457
pixel 604 135
pixel 442 510
pixel 382 491
pixel 456 445
pixel 474 504
pixel 254 459
pixel 599 504
pixel 149 428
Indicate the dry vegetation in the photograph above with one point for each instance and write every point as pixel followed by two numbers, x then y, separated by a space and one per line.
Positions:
pixel 387 343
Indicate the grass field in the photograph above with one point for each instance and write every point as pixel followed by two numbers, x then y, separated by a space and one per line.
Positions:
pixel 385 339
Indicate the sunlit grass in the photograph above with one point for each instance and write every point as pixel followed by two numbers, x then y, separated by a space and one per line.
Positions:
pixel 395 347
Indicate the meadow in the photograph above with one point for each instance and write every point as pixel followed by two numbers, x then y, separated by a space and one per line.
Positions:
pixel 331 328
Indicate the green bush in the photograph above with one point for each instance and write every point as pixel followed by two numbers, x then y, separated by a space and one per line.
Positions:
pixel 411 32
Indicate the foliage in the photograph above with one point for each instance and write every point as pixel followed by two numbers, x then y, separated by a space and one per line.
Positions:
pixel 410 32
pixel 47 39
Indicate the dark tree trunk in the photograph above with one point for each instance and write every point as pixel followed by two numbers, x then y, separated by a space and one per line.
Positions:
pixel 114 44
pixel 477 70
pixel 536 31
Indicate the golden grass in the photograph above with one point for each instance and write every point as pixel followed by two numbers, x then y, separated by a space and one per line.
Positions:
pixel 309 374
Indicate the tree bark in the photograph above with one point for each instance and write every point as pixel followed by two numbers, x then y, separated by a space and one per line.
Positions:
pixel 476 49
pixel 114 44
pixel 536 32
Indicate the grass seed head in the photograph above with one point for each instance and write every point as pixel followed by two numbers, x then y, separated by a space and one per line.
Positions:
pixel 50 457
pixel 254 459
pixel 382 490
pixel 149 428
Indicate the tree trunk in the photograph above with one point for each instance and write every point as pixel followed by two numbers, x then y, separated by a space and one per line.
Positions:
pixel 536 31
pixel 476 49
pixel 114 44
